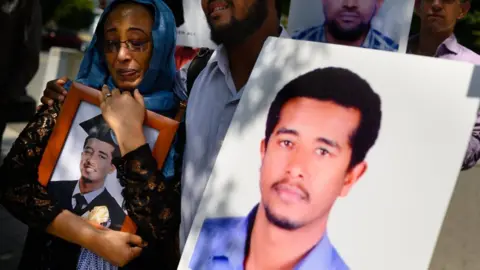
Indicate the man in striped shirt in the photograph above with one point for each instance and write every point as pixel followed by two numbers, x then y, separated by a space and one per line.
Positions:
pixel 349 23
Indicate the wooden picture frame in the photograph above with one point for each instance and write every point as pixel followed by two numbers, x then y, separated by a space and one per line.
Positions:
pixel 79 93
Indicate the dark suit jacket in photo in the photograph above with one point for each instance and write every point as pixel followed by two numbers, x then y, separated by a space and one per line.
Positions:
pixel 63 191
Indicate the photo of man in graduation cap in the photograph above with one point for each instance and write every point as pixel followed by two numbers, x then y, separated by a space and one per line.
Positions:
pixel 88 196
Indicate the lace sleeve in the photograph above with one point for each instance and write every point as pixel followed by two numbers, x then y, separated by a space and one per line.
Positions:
pixel 152 202
pixel 20 192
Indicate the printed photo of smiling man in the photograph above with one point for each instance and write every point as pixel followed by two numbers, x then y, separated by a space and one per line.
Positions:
pixel 88 196
pixel 373 24
pixel 313 152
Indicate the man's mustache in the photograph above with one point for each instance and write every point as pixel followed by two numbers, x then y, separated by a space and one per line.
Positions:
pixel 350 12
pixel 299 186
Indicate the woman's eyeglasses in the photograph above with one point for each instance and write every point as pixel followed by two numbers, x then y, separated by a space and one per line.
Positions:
pixel 113 46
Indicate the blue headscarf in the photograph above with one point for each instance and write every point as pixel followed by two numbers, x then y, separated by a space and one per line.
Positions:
pixel 157 84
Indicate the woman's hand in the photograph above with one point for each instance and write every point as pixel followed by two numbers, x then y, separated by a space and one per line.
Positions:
pixel 116 247
pixel 54 91
pixel 125 115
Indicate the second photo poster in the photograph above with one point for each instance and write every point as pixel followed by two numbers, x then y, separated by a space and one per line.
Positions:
pixel 372 24
pixel 329 164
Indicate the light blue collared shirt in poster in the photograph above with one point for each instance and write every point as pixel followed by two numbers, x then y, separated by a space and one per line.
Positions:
pixel 222 243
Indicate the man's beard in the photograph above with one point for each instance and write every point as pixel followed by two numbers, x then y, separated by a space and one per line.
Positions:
pixel 282 223
pixel 347 35
pixel 87 180
pixel 236 32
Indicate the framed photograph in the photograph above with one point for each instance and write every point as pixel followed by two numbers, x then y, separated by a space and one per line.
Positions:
pixel 329 163
pixel 373 24
pixel 77 164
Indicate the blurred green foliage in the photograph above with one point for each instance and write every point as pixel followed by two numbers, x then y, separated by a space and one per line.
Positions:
pixel 467 30
pixel 69 14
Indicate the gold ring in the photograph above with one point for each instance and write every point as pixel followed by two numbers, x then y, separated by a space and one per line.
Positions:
pixel 108 95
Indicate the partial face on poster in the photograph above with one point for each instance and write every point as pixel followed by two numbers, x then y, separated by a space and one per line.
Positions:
pixel 323 156
pixel 373 24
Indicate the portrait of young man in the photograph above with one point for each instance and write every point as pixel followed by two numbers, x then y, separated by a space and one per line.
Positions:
pixel 319 129
pixel 349 22
pixel 88 195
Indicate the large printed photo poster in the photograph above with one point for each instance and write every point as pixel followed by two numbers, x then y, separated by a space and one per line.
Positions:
pixel 373 24
pixel 331 164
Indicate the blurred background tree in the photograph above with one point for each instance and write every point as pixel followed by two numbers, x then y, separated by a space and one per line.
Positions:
pixel 467 30
pixel 48 9
pixel 69 14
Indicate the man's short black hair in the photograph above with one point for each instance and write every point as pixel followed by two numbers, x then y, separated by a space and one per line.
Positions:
pixel 342 87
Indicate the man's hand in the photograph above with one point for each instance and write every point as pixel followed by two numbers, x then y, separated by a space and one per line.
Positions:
pixel 54 91
pixel 118 248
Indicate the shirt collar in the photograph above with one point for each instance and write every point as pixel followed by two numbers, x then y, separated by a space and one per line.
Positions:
pixel 219 59
pixel 235 245
pixel 449 45
pixel 90 196
pixel 320 256
pixel 284 33
pixel 220 54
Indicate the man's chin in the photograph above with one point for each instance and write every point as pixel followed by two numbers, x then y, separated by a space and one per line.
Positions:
pixel 436 28
pixel 220 22
pixel 219 27
pixel 88 179
pixel 282 218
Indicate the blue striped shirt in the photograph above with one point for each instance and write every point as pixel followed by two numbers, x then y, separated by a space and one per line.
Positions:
pixel 222 243
pixel 374 39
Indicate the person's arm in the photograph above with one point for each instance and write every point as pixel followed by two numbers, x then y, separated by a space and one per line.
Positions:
pixel 20 192
pixel 151 199
pixel 473 151
pixel 116 247
pixel 29 201
pixel 153 203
